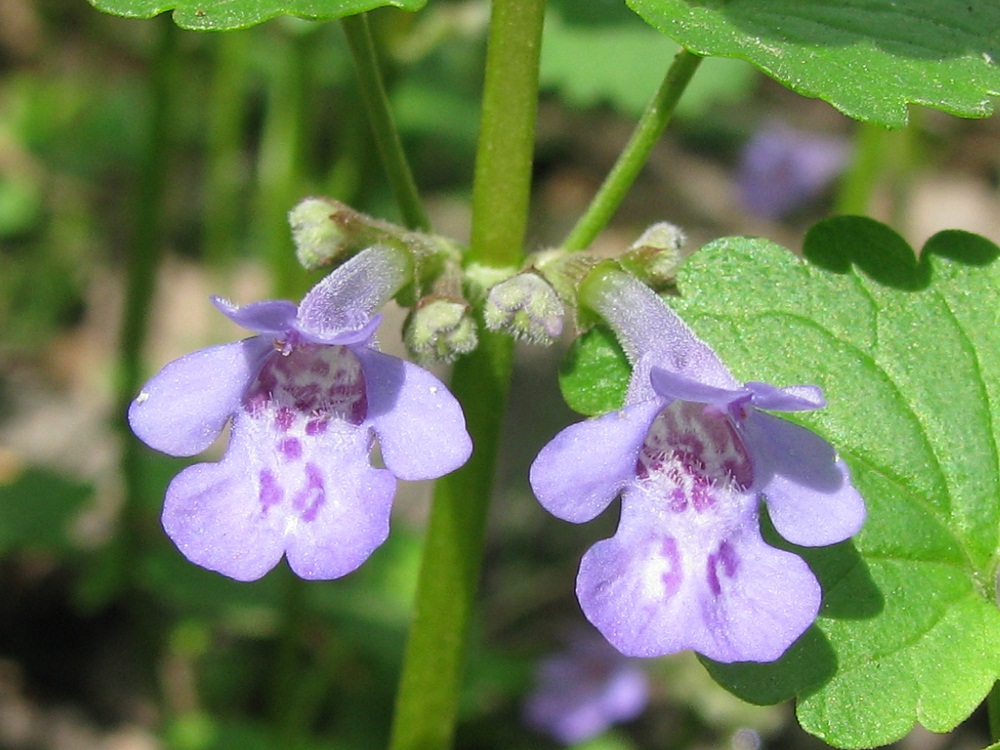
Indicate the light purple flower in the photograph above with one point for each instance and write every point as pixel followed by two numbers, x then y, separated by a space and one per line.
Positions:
pixel 692 454
pixel 782 169
pixel 307 397
pixel 584 690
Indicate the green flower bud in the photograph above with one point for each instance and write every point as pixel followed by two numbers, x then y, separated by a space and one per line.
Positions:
pixel 656 256
pixel 526 307
pixel 320 233
pixel 440 330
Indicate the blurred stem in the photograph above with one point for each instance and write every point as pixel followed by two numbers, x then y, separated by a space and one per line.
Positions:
pixel 280 175
pixel 387 141
pixel 141 264
pixel 858 183
pixel 287 671
pixel 225 148
pixel 430 685
pixel 881 158
pixel 346 180
pixel 636 152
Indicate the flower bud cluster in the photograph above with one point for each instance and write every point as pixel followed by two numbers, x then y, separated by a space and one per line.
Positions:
pixel 528 303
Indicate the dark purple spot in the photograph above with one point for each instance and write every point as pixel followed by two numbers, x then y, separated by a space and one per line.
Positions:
pixel 678 501
pixel 724 561
pixel 741 471
pixel 701 495
pixel 266 381
pixel 255 402
pixel 284 418
pixel 319 367
pixel 317 426
pixel 674 575
pixel 286 364
pixel 359 410
pixel 306 396
pixel 348 400
pixel 290 448
pixel 270 491
pixel 310 498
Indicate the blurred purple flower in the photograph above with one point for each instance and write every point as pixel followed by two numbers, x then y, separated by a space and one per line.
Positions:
pixel 306 398
pixel 584 690
pixel 782 169
pixel 692 455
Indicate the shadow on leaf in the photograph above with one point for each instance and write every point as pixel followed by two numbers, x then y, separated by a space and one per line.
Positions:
pixel 804 668
pixel 841 242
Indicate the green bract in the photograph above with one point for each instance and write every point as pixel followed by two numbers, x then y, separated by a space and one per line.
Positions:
pixel 868 58
pixel 221 15
pixel 908 354
pixel 595 373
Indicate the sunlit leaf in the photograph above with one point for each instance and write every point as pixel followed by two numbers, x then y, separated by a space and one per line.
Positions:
pixel 868 58
pixel 908 354
pixel 221 15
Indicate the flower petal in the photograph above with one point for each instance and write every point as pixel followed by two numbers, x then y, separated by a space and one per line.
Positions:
pixel 353 502
pixel 583 468
pixel 420 425
pixel 672 385
pixel 791 398
pixel 270 317
pixel 346 300
pixel 809 493
pixel 184 407
pixel 211 514
pixel 654 591
pixel 645 324
pixel 282 489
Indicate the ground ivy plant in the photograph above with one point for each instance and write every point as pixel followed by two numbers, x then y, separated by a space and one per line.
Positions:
pixel 805 447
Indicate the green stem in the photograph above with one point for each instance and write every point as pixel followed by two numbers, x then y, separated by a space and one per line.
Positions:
pixel 288 671
pixel 280 178
pixel 427 703
pixel 224 172
pixel 502 186
pixel 883 163
pixel 118 566
pixel 861 178
pixel 142 262
pixel 632 159
pixel 387 141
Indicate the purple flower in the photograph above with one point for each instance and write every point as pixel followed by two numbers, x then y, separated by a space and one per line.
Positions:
pixel 692 454
pixel 782 169
pixel 584 690
pixel 307 397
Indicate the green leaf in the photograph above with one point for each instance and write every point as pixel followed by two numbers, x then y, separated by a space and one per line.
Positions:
pixel 595 373
pixel 223 15
pixel 868 58
pixel 908 354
